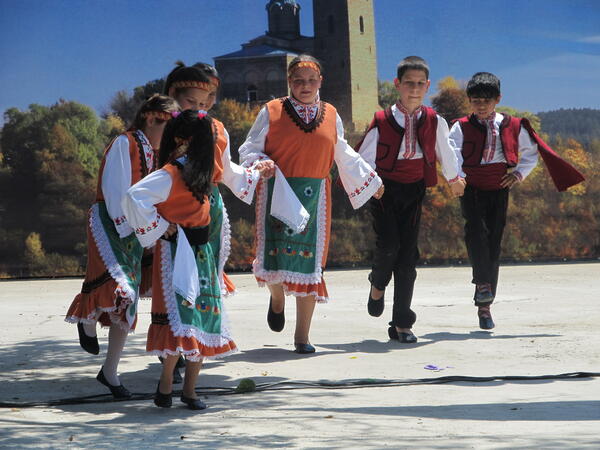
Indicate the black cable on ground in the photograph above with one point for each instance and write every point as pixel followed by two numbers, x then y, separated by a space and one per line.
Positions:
pixel 293 385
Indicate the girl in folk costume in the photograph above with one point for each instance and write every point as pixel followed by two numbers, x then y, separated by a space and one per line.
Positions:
pixel 196 88
pixel 114 274
pixel 187 314
pixel 297 139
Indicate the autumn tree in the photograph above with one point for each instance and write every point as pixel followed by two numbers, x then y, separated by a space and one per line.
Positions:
pixel 387 93
pixel 450 101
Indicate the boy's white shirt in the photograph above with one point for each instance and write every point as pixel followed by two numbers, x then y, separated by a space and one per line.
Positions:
pixel 444 153
pixel 528 153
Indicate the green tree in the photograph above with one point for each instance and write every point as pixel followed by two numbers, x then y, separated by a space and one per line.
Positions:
pixel 125 105
pixel 52 155
pixel 387 93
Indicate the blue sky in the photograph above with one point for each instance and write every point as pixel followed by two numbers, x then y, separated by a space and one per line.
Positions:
pixel 547 52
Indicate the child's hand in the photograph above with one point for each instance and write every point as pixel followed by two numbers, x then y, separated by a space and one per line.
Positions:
pixel 509 180
pixel 377 195
pixel 170 231
pixel 458 188
pixel 265 168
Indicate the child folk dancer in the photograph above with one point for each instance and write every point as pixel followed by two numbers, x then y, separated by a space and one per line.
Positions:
pixel 298 138
pixel 187 313
pixel 196 88
pixel 113 277
pixel 403 143
pixel 487 144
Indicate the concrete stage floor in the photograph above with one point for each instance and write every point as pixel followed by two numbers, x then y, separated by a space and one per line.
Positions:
pixel 547 323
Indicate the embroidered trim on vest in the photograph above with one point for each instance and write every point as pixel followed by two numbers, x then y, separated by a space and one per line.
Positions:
pixel 143 165
pixel 89 286
pixel 306 127
pixel 180 167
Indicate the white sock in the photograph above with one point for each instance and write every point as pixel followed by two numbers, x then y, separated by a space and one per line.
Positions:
pixel 116 341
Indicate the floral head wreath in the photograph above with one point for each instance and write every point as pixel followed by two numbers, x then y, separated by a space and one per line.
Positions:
pixel 161 115
pixel 188 84
pixel 301 64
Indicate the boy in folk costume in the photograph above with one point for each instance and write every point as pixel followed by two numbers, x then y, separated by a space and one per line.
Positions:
pixel 113 277
pixel 497 152
pixel 403 143
pixel 297 139
pixel 188 316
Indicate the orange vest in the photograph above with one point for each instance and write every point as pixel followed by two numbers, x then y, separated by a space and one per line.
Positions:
pixel 136 157
pixel 298 149
pixel 220 146
pixel 182 207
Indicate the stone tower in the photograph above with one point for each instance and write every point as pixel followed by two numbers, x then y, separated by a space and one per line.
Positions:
pixel 345 44
pixel 284 19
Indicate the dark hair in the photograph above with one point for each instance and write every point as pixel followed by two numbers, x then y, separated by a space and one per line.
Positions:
pixel 156 103
pixel 412 63
pixel 303 58
pixel 185 77
pixel 483 85
pixel 208 70
pixel 198 168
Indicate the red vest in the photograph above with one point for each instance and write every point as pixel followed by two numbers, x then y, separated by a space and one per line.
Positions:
pixel 391 135
pixel 475 135
pixel 563 174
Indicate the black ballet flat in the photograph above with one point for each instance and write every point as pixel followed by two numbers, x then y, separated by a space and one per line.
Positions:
pixel 275 320
pixel 375 307
pixel 193 403
pixel 162 400
pixel 304 348
pixel 88 343
pixel 118 392
pixel 405 338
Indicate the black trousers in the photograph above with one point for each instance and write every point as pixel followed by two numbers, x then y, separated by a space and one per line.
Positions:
pixel 485 217
pixel 396 219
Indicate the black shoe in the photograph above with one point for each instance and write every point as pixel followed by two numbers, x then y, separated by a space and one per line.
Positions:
pixel 193 403
pixel 405 338
pixel 375 307
pixel 485 318
pixel 88 343
pixel 163 400
pixel 483 294
pixel 275 320
pixel 117 391
pixel 304 348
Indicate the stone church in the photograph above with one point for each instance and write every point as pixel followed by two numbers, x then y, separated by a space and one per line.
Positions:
pixel 344 42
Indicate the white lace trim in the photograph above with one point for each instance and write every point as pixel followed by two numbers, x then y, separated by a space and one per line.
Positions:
pixel 358 199
pixel 225 249
pixel 190 355
pixel 110 260
pixel 319 298
pixel 178 328
pixel 278 276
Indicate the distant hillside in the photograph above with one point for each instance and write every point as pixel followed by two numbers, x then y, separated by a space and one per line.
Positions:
pixel 580 124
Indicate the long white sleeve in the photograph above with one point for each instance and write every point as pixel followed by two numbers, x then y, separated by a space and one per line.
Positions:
pixel 116 179
pixel 253 148
pixel 139 206
pixel 240 180
pixel 359 178
pixel 445 154
pixel 368 147
pixel 455 139
pixel 528 155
